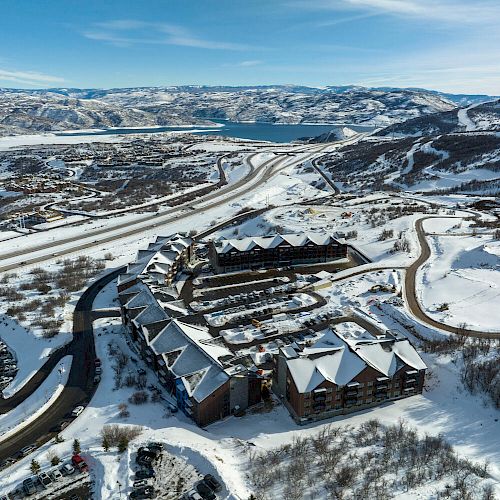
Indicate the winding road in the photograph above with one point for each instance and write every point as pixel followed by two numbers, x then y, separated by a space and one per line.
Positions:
pixel 80 389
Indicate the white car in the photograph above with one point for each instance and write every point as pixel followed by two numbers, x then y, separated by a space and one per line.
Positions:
pixel 77 411
pixel 67 469
pixel 55 474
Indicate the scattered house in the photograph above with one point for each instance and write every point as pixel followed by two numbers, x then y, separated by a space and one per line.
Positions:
pixel 258 252
pixel 337 374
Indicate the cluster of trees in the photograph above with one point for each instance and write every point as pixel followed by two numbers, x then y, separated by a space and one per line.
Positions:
pixel 119 436
pixel 370 461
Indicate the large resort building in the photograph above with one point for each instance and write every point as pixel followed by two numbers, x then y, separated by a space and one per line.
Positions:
pixel 327 373
pixel 338 373
pixel 204 376
pixel 258 252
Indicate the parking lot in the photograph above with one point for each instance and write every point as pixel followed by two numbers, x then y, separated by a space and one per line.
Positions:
pixel 8 366
pixel 159 474
pixel 62 481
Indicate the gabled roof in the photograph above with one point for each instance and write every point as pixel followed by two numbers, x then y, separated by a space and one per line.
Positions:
pixel 188 357
pixel 332 359
pixel 293 239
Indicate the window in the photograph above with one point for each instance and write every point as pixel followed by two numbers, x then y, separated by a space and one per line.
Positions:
pixel 361 385
pixel 396 394
pixel 338 397
pixel 369 391
pixel 329 390
pixel 370 384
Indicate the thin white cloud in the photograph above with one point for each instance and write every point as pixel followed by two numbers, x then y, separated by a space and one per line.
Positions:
pixel 126 32
pixel 248 64
pixel 448 11
pixel 29 77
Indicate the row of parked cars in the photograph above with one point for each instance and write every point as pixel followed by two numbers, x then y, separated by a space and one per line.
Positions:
pixel 46 479
pixel 8 366
pixel 205 489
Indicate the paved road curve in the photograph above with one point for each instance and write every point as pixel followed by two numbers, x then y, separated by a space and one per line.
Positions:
pixel 79 388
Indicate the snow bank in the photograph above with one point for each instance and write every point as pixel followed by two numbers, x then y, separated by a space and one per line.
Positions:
pixel 36 404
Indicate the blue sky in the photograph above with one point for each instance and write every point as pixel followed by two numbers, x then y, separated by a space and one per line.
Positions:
pixel 448 45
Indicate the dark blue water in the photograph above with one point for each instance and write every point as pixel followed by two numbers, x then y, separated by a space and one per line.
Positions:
pixel 252 131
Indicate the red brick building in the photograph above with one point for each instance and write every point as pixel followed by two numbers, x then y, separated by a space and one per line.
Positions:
pixel 335 376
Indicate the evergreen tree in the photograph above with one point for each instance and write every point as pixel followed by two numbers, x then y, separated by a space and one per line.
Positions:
pixel 122 444
pixel 35 467
pixel 105 443
pixel 76 447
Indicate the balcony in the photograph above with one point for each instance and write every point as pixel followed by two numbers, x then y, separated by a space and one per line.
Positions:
pixel 382 387
pixel 351 402
pixel 352 393
pixel 381 395
pixel 410 381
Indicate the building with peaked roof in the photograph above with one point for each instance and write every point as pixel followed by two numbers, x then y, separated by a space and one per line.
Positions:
pixel 207 380
pixel 159 263
pixel 276 250
pixel 337 374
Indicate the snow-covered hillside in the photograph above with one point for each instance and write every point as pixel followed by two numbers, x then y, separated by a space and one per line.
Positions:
pixel 59 109
pixel 476 117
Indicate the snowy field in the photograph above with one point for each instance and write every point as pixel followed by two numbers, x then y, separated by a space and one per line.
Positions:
pixel 461 281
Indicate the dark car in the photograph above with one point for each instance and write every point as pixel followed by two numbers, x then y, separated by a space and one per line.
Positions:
pixel 158 447
pixel 145 474
pixel 29 486
pixel 205 491
pixel 212 482
pixel 146 492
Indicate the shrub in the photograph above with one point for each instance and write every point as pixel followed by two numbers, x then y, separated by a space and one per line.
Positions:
pixel 139 398
pixel 115 434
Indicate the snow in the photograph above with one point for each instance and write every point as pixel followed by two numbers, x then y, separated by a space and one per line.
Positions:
pixel 31 351
pixel 464 119
pixel 463 272
pixel 38 402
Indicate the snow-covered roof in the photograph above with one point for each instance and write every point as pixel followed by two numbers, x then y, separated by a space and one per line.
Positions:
pixel 190 354
pixel 332 359
pixel 293 239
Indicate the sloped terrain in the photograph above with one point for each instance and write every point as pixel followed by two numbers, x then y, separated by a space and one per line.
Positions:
pixel 23 111
pixel 485 116
pixel 468 162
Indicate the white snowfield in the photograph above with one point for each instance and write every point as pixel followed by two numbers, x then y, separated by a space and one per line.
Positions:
pixel 30 350
pixel 463 271
pixel 464 274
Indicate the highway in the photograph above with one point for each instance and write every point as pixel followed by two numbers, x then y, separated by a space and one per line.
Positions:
pixel 79 388
pixel 256 177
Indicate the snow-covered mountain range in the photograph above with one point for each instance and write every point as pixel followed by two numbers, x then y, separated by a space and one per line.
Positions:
pixel 24 111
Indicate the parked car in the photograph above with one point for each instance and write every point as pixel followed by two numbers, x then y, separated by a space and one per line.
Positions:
pixel 97 362
pixel 192 495
pixel 44 479
pixel 67 469
pixel 213 482
pixel 155 446
pixel 29 486
pixel 147 492
pixel 140 483
pixel 145 473
pixel 205 491
pixel 60 427
pixel 79 463
pixel 55 474
pixel 77 411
